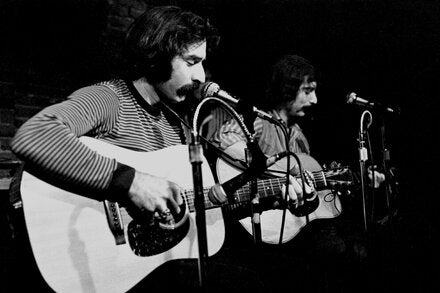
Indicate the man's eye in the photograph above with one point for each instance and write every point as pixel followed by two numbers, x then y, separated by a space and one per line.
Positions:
pixel 191 62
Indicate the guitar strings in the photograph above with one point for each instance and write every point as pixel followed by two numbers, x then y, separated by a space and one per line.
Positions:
pixel 270 187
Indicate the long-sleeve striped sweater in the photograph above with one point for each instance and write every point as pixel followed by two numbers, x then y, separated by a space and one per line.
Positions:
pixel 112 111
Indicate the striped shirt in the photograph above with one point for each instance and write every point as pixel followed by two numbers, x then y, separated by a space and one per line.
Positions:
pixel 112 111
pixel 269 136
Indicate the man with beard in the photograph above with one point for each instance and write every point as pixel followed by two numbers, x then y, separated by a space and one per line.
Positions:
pixel 320 248
pixel 165 50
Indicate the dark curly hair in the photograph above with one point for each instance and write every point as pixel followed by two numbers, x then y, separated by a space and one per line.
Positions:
pixel 287 75
pixel 160 34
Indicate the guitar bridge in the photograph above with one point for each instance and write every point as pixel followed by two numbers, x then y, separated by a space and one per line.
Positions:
pixel 115 221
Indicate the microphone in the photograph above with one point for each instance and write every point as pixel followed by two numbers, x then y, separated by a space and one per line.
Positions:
pixel 352 98
pixel 220 193
pixel 211 89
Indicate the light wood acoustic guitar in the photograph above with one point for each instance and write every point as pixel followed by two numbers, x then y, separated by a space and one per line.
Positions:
pixel 84 245
pixel 328 204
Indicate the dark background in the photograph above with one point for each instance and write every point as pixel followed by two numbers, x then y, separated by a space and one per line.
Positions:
pixel 385 51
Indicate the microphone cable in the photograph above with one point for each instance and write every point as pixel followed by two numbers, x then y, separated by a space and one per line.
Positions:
pixel 190 128
pixel 228 108
pixel 287 132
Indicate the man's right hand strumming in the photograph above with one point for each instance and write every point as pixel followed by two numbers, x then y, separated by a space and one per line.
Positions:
pixel 154 194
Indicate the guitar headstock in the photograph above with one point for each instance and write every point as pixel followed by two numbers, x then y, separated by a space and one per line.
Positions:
pixel 339 176
pixel 341 180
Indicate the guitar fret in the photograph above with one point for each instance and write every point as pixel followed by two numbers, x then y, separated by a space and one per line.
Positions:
pixel 267 188
pixel 261 189
pixel 238 196
pixel 271 187
pixel 318 180
pixel 323 178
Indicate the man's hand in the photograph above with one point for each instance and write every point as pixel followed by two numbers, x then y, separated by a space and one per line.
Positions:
pixel 378 177
pixel 153 194
pixel 295 189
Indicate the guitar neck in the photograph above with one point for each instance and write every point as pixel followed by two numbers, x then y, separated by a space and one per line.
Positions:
pixel 266 188
pixel 189 197
pixel 271 187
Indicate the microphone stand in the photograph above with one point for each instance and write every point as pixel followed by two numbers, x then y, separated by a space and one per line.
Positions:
pixel 363 157
pixel 390 191
pixel 256 160
pixel 286 131
pixel 255 203
pixel 195 157
pixel 386 168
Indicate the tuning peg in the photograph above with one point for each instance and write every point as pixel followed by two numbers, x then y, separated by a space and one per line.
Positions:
pixel 335 165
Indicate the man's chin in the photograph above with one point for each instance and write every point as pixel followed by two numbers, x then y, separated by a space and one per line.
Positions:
pixel 177 99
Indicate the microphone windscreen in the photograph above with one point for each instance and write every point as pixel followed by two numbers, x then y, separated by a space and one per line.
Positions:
pixel 209 89
pixel 350 98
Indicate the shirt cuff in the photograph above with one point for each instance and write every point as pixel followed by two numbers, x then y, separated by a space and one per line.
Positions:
pixel 120 184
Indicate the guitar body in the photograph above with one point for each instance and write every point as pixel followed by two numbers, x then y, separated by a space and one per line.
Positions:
pixel 70 237
pixel 271 220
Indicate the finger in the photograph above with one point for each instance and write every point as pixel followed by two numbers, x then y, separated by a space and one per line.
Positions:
pixel 161 208
pixel 176 198
pixel 294 170
pixel 297 186
pixel 178 191
pixel 307 187
pixel 292 194
pixel 164 216
pixel 174 206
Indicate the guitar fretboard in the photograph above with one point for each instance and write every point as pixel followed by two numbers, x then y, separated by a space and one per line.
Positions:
pixel 266 188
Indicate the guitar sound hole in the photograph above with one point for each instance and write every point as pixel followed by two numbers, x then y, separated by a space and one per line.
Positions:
pixel 146 240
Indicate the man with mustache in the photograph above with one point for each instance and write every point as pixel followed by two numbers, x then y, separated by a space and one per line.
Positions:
pixel 291 92
pixel 320 248
pixel 165 50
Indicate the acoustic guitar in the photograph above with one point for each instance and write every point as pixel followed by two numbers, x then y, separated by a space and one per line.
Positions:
pixel 81 244
pixel 328 204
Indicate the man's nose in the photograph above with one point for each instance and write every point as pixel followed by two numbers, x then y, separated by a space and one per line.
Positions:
pixel 313 98
pixel 199 73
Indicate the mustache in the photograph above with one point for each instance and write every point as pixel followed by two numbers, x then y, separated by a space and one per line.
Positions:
pixel 189 89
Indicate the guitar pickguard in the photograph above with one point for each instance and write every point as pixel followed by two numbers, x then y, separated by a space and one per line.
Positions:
pixel 146 240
